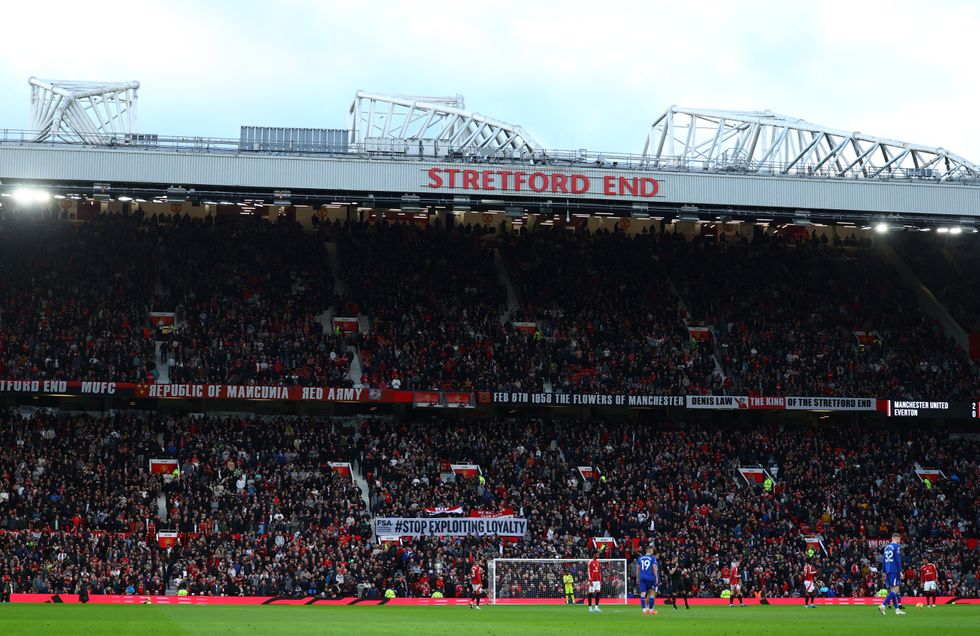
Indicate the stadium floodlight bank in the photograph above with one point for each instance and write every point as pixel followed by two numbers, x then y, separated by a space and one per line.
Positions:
pixel 537 581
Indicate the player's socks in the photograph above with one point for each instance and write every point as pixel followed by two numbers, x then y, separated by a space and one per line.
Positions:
pixel 898 602
pixel 888 598
pixel 643 604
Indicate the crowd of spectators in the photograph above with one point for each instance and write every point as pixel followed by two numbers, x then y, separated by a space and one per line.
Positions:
pixel 435 303
pixel 75 300
pixel 251 294
pixel 599 312
pixel 608 318
pixel 260 510
pixel 815 317
pixel 949 265
pixel 678 486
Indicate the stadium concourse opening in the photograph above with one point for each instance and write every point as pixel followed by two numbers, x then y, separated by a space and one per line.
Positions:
pixel 428 347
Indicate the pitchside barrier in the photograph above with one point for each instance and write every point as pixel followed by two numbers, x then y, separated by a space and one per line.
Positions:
pixel 119 599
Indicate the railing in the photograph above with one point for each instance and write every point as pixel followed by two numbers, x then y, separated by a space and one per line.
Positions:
pixel 416 150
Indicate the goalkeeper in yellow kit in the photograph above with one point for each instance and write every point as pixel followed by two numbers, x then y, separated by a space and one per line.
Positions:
pixel 569 588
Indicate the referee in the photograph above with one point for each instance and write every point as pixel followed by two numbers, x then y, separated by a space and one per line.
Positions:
pixel 680 584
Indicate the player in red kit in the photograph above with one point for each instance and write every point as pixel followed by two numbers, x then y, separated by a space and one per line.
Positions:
pixel 929 578
pixel 595 582
pixel 809 585
pixel 735 585
pixel 476 583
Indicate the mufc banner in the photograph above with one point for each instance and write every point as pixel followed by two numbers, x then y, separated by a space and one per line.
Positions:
pixel 342 468
pixel 163 466
pixel 451 527
pixel 466 471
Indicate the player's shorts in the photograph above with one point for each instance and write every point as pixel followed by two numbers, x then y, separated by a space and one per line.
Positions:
pixel 648 585
pixel 809 587
pixel 929 586
pixel 595 586
pixel 477 587
pixel 736 589
pixel 892 579
pixel 569 589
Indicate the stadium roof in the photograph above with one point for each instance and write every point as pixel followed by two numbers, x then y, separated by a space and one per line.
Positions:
pixel 725 164
pixel 82 112
pixel 769 143
pixel 376 119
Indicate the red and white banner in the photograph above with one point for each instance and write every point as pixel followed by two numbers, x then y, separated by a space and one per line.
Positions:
pixel 467 471
pixel 588 473
pixel 932 474
pixel 165 319
pixel 755 475
pixel 342 468
pixel 701 334
pixel 605 545
pixel 525 327
pixel 346 324
pixel 503 512
pixel 387 540
pixel 815 542
pixel 867 338
pixel 444 510
pixel 167 539
pixel 163 466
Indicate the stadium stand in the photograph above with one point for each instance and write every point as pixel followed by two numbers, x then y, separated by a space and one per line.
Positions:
pixel 787 315
pixel 259 510
pixel 597 313
pixel 950 267
pixel 75 300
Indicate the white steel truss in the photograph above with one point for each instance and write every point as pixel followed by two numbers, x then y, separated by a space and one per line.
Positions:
pixel 434 125
pixel 82 112
pixel 763 142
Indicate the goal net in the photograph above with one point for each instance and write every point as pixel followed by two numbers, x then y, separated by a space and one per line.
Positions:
pixel 540 580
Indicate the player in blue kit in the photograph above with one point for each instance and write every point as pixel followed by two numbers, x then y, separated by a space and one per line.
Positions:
pixel 891 565
pixel 647 576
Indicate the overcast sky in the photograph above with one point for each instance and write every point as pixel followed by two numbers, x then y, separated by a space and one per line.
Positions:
pixel 573 74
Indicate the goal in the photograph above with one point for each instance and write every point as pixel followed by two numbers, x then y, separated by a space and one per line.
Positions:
pixel 535 581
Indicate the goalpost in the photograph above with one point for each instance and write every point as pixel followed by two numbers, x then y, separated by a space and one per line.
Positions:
pixel 516 581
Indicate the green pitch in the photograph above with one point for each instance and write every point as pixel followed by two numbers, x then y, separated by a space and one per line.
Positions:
pixel 162 620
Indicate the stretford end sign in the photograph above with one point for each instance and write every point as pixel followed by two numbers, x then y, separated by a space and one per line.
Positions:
pixel 541 182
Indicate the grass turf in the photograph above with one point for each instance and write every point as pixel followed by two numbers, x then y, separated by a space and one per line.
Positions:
pixel 352 620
